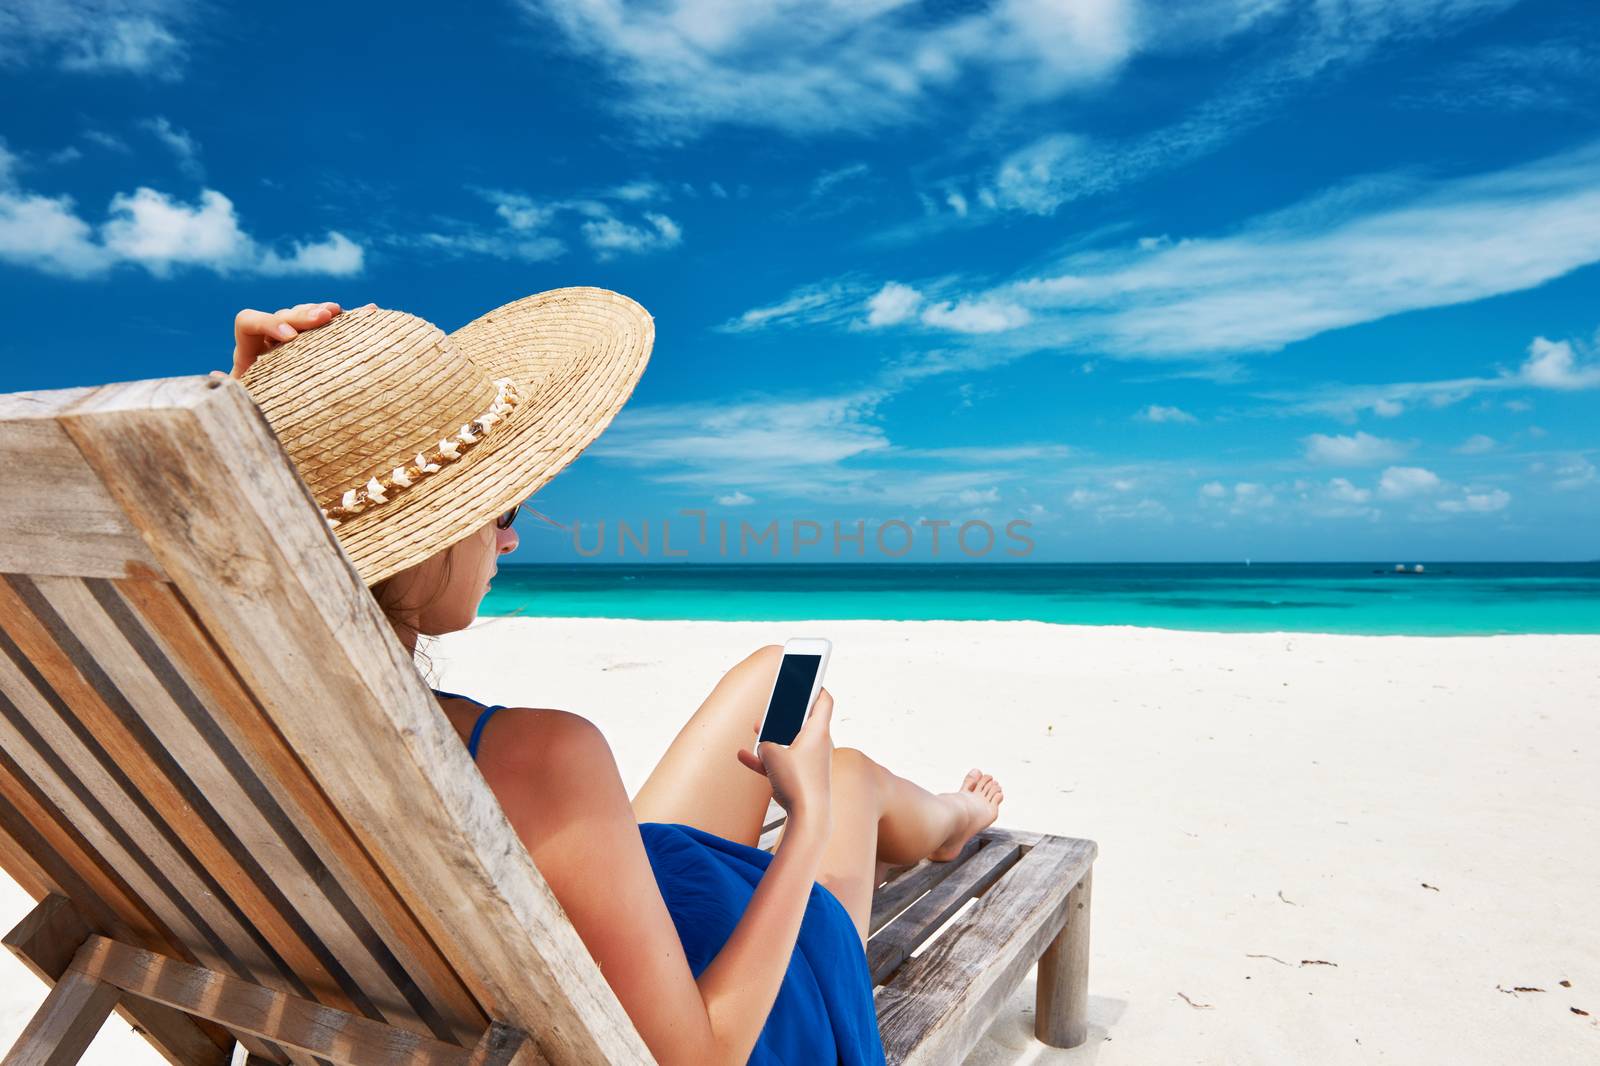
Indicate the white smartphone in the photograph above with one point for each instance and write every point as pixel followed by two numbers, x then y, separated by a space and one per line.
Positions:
pixel 795 688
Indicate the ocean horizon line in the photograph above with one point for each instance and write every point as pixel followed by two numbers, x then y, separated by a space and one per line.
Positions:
pixel 1369 597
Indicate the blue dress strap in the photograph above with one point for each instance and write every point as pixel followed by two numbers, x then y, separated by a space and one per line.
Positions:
pixel 483 718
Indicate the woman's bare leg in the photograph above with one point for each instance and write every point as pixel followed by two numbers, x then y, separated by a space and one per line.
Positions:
pixel 700 781
pixel 880 818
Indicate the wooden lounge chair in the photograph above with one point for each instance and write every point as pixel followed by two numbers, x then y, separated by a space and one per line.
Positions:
pixel 247 820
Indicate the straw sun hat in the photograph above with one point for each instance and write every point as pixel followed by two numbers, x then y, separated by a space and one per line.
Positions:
pixel 410 440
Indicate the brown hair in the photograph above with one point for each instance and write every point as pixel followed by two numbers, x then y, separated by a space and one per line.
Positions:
pixel 389 601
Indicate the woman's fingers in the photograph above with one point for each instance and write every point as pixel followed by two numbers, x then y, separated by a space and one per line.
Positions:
pixel 256 332
pixel 753 761
pixel 821 716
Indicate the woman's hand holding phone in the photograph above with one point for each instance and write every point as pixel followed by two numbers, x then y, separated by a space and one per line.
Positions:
pixel 801 773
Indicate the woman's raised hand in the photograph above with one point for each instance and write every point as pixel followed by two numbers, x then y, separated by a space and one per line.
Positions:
pixel 256 332
pixel 801 773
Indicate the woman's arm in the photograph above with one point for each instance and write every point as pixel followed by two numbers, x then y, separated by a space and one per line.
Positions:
pixel 559 785
pixel 741 984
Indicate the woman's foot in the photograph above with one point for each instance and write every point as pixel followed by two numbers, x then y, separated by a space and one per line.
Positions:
pixel 979 800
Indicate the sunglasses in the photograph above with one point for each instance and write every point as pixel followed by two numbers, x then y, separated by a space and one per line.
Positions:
pixel 508 517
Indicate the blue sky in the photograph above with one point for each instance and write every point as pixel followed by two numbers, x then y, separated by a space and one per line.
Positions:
pixel 1166 281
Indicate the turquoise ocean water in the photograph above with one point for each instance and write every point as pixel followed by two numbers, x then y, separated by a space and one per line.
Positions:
pixel 1446 599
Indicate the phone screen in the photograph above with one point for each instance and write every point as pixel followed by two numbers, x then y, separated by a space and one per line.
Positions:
pixel 787 711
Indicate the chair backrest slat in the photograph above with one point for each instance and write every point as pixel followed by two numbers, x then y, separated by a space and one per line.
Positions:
pixel 213 744
pixel 58 517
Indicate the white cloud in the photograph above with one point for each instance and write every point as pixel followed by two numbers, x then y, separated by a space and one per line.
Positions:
pixel 1213 490
pixel 1356 254
pixel 639 191
pixel 806 66
pixel 1576 473
pixel 532 227
pixel 535 249
pixel 1547 365
pixel 609 235
pixel 999 453
pixel 828 449
pixel 96 36
pixel 521 212
pixel 337 256
pixel 735 499
pixel 823 185
pixel 892 304
pixel 1157 413
pixel 1403 482
pixel 1341 490
pixel 1477 444
pixel 826 302
pixel 1477 502
pixel 152 230
pixel 975 316
pixel 1552 365
pixel 773 445
pixel 181 143
pixel 975 497
pixel 109 141
pixel 1359 449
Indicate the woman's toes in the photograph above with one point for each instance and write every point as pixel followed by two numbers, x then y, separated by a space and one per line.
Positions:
pixel 970 782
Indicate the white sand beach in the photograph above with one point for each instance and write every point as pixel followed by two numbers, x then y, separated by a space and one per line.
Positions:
pixel 1416 815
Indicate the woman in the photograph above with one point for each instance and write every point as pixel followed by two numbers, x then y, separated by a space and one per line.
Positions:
pixel 718 952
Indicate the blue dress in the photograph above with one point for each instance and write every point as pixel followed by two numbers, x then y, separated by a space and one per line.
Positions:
pixel 824 1011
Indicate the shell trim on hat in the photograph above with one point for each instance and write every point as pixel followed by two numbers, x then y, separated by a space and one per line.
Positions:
pixel 382 488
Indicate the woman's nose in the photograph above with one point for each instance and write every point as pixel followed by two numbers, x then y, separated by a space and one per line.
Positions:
pixel 507 541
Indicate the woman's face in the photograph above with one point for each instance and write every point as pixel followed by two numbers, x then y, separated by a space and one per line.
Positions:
pixel 472 561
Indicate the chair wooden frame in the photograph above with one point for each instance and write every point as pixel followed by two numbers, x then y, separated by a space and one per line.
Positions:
pixel 246 819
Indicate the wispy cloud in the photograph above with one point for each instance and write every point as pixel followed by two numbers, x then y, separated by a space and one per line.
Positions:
pixel 1357 253
pixel 143 37
pixel 1553 75
pixel 1323 41
pixel 1358 449
pixel 1159 413
pixel 1564 366
pixel 805 66
pixel 182 145
pixel 611 223
pixel 1354 255
pixel 832 302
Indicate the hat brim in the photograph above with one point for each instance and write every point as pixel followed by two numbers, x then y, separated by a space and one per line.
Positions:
pixel 575 355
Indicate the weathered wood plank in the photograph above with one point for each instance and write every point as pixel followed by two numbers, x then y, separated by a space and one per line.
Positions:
pixel 79 652
pixel 197 776
pixel 317 838
pixel 50 935
pixel 895 942
pixel 938 1006
pixel 58 517
pixel 61 1030
pixel 1061 999
pixel 70 869
pixel 502 1045
pixel 67 864
pixel 289 1021
pixel 92 789
pixel 194 465
pixel 900 892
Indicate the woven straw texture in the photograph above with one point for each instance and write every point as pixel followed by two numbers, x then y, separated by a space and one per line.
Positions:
pixel 365 393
